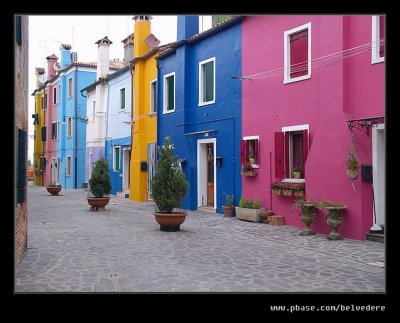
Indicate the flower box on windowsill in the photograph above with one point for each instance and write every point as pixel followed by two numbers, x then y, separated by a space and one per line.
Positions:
pixel 249 172
pixel 277 191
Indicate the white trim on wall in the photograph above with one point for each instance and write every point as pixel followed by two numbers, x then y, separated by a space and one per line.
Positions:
pixel 200 170
pixel 165 111
pixel 375 58
pixel 151 97
pixel 286 42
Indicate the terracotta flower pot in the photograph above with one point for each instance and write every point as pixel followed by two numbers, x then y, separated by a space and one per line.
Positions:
pixel 53 190
pixel 228 211
pixel 98 203
pixel 170 222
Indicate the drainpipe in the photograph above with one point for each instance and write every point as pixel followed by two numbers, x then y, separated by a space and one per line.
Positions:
pixel 76 129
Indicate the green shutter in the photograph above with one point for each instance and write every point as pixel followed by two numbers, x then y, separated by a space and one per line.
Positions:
pixel 116 151
pixel 209 80
pixel 21 162
pixel 122 107
pixel 170 81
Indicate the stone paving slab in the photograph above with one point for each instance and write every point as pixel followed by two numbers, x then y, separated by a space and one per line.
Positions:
pixel 71 249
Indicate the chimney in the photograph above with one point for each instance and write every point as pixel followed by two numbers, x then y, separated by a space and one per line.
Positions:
pixel 103 60
pixel 128 48
pixel 51 60
pixel 65 55
pixel 39 72
pixel 187 27
pixel 142 30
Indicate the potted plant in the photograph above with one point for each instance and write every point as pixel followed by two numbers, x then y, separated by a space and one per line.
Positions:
pixel 334 217
pixel 248 170
pixel 296 172
pixel 276 188
pixel 252 158
pixel 249 210
pixel 54 188
pixel 168 186
pixel 229 206
pixel 100 186
pixel 352 165
pixel 307 216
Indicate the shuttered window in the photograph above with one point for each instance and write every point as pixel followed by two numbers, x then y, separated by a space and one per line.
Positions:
pixel 69 166
pixel 116 159
pixel 250 151
pixel 169 93
pixel 206 82
pixel 69 127
pixel 299 54
pixel 122 99
pixel 54 131
pixel 153 97
pixel 44 134
pixel 291 150
pixel 151 163
pixel 21 164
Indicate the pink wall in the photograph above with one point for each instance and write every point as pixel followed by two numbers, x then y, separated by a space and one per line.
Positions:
pixel 51 145
pixel 336 92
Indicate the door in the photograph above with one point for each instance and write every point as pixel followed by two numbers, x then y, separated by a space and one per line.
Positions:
pixel 151 164
pixel 210 174
pixel 378 173
pixel 126 166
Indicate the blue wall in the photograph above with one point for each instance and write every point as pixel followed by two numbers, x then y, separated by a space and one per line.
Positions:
pixel 224 116
pixel 66 108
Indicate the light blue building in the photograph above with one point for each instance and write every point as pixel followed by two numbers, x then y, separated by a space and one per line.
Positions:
pixel 71 112
pixel 199 105
pixel 118 133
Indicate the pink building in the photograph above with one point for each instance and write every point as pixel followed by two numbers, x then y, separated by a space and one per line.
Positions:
pixel 51 100
pixel 309 83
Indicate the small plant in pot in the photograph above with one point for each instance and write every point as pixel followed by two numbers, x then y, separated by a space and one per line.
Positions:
pixel 229 206
pixel 54 188
pixel 100 186
pixel 168 186
pixel 307 215
pixel 296 172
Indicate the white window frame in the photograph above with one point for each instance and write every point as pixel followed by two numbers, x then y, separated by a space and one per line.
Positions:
pixel 120 98
pixel 119 159
pixel 72 85
pixel 293 129
pixel 69 135
pixel 151 97
pixel 55 122
pixel 165 111
pixel 93 110
pixel 375 58
pixel 286 43
pixel 201 80
pixel 59 92
pixel 254 138
pixel 70 166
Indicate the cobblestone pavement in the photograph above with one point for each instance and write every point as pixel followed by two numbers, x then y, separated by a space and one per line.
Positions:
pixel 71 249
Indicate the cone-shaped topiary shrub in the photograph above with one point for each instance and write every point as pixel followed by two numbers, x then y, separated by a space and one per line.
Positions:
pixel 169 184
pixel 100 182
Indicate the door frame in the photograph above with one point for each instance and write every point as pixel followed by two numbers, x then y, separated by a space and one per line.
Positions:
pixel 125 169
pixel 202 171
pixel 378 171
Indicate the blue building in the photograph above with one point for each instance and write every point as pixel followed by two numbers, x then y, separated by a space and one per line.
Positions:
pixel 71 112
pixel 200 108
pixel 118 133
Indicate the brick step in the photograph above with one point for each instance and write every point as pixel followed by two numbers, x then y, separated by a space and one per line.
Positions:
pixel 377 237
pixel 276 220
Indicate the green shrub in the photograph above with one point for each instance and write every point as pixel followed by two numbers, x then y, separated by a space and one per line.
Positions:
pixel 229 199
pixel 169 184
pixel 256 203
pixel 100 182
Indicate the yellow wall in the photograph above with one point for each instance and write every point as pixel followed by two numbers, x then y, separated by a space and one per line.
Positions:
pixel 144 130
pixel 38 144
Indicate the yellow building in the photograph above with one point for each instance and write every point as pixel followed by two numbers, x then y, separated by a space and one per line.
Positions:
pixel 39 122
pixel 144 128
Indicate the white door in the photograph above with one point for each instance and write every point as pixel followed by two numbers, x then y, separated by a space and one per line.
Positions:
pixel 378 172
pixel 205 168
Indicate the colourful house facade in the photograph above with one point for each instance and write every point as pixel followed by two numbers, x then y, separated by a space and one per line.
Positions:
pixel 313 88
pixel 200 108
pixel 144 127
pixel 71 113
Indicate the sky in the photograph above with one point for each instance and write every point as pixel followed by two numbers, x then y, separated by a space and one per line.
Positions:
pixel 47 33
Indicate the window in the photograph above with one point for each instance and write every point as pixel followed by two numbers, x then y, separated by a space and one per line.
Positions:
pixel 122 99
pixel 153 96
pixel 54 131
pixel 116 158
pixel 42 162
pixel 169 93
pixel 291 150
pixel 45 101
pixel 94 111
pixel 68 165
pixel 378 39
pixel 69 128
pixel 297 54
pixel 42 102
pixel 34 135
pixel 44 134
pixel 70 86
pixel 18 33
pixel 21 163
pixel 207 81
pixel 58 130
pixel 55 95
pixel 59 92
pixel 250 151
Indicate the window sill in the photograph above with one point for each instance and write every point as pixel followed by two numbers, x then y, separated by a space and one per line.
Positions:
pixel 206 103
pixel 168 111
pixel 293 180
pixel 377 60
pixel 300 78
pixel 151 114
pixel 249 173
